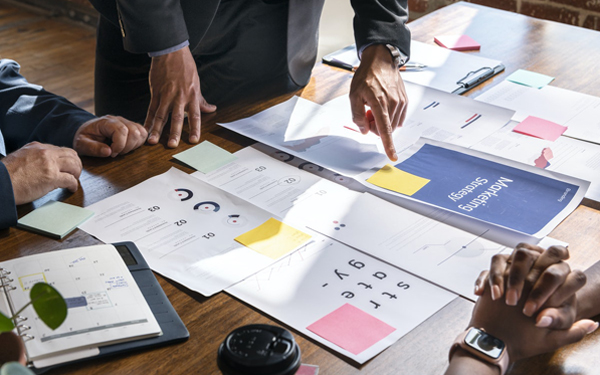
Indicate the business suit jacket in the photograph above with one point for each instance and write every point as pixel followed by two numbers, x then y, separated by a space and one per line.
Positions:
pixel 29 113
pixel 155 25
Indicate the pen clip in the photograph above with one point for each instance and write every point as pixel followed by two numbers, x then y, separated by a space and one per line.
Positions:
pixel 474 78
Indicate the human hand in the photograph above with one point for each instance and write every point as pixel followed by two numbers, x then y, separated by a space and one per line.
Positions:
pixel 553 283
pixel 175 89
pixel 124 136
pixel 377 83
pixel 36 169
pixel 522 337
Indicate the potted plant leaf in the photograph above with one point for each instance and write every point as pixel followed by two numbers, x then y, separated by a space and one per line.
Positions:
pixel 50 307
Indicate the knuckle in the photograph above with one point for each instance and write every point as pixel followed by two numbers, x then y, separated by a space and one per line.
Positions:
pixel 521 254
pixel 558 252
pixel 496 279
pixel 551 275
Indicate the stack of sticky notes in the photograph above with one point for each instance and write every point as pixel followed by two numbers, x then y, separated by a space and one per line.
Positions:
pixel 205 157
pixel 457 42
pixel 540 128
pixel 54 219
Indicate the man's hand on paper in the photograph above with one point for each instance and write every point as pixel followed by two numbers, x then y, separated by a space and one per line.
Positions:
pixel 377 84
pixel 36 169
pixel 175 89
pixel 123 136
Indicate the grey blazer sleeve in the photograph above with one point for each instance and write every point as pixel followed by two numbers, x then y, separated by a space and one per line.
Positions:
pixel 381 22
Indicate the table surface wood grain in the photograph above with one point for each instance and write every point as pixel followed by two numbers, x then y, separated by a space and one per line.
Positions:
pixel 570 54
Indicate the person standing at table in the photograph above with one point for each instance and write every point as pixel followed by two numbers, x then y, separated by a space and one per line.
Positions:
pixel 199 53
pixel 41 135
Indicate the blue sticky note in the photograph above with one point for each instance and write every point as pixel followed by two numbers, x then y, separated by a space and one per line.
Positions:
pixel 54 219
pixel 76 302
pixel 531 79
pixel 205 157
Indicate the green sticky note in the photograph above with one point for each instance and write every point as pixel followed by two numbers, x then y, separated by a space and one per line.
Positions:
pixel 394 179
pixel 531 79
pixel 206 157
pixel 54 219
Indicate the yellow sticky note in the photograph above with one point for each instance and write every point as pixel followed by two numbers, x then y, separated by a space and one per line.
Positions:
pixel 273 238
pixel 394 179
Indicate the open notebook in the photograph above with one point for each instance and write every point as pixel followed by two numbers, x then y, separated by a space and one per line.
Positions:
pixel 105 304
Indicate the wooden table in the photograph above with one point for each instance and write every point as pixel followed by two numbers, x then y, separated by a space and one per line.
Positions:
pixel 569 53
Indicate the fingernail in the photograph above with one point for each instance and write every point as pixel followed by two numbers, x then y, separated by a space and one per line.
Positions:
pixel 529 308
pixel 511 297
pixel 544 322
pixel 152 138
pixel 193 139
pixel 496 292
pixel 592 328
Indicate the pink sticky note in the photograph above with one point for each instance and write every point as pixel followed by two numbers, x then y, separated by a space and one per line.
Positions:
pixel 540 128
pixel 457 42
pixel 308 370
pixel 351 328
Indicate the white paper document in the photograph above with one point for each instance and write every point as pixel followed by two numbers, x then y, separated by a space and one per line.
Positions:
pixel 325 135
pixel 291 193
pixel 565 155
pixel 429 248
pixel 312 288
pixel 185 229
pixel 580 113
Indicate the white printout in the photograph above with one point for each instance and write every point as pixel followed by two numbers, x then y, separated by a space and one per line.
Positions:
pixel 279 188
pixel 426 247
pixel 492 232
pixel 580 113
pixel 565 155
pixel 303 129
pixel 185 229
pixel 104 302
pixel 437 115
pixel 326 275
pixel 325 135
pixel 444 67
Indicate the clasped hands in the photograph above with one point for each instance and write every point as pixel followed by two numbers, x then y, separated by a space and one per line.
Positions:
pixel 528 299
pixel 175 89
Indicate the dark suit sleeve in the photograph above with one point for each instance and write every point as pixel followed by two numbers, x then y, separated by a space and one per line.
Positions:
pixel 29 113
pixel 151 25
pixel 381 22
pixel 8 210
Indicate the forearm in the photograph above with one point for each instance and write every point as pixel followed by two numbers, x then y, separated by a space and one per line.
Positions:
pixel 462 363
pixel 588 298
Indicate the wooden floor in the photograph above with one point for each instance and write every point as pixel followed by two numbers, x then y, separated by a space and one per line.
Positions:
pixel 55 53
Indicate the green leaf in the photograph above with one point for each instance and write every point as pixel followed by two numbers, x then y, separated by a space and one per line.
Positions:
pixel 15 368
pixel 48 304
pixel 6 324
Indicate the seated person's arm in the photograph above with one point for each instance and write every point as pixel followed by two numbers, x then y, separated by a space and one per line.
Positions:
pixel 29 116
pixel 543 280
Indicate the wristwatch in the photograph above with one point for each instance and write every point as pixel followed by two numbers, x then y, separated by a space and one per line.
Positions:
pixel 398 57
pixel 483 346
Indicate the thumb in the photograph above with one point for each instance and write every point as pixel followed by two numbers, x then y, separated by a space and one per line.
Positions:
pixel 206 107
pixel 577 332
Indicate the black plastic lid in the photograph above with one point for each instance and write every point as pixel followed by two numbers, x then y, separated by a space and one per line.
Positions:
pixel 259 349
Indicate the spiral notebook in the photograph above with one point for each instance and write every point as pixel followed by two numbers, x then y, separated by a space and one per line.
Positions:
pixel 105 304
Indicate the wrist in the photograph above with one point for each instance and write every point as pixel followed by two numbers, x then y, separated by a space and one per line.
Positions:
pixel 463 362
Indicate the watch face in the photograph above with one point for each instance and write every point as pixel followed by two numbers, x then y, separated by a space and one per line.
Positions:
pixel 484 342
